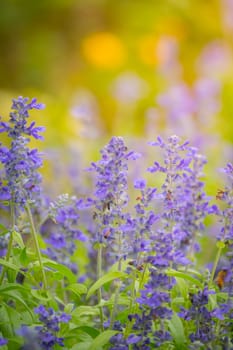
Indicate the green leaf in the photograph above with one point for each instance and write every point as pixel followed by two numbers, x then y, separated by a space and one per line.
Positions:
pixel 2 227
pixel 77 288
pixel 122 300
pixel 13 295
pixel 81 346
pixel 18 239
pixel 12 286
pixel 85 311
pixel 64 270
pixel 6 327
pixel 212 301
pixel 24 259
pixel 13 315
pixel 177 331
pixel 105 279
pixel 102 339
pixel 124 265
pixel 185 276
pixel 9 265
pixel 3 230
pixel 93 332
pixel 38 295
pixel 191 272
pixel 183 286
pixel 68 308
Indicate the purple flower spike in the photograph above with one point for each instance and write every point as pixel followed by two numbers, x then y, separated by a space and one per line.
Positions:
pixel 21 181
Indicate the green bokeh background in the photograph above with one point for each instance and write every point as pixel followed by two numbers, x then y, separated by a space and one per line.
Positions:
pixel 42 55
pixel 46 52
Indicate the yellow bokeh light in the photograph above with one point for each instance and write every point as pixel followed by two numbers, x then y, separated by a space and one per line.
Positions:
pixel 104 50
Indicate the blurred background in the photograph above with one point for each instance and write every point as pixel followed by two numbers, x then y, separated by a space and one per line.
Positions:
pixel 135 68
pixel 127 67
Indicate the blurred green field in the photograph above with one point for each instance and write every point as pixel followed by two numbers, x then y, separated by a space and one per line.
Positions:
pixel 101 67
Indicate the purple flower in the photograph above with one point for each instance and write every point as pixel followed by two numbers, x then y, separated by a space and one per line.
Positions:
pixel 140 184
pixel 57 240
pixel 64 318
pixel 111 195
pixel 199 313
pixel 183 200
pixel 63 231
pixel 133 338
pixel 17 125
pixel 3 341
pixel 21 180
pixel 50 326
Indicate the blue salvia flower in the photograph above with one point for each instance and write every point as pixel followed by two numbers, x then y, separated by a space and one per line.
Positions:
pixel 63 231
pixel 20 178
pixel 226 215
pixel 32 338
pixel 17 125
pixel 46 335
pixel 111 192
pixel 199 314
pixel 181 208
pixel 185 204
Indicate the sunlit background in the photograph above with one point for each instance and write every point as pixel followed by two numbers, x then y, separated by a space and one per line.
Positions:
pixel 127 67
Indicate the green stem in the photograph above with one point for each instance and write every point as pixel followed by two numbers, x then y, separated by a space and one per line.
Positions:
pixel 34 235
pixel 10 244
pixel 99 274
pixel 131 306
pixel 114 309
pixel 219 252
pixel 215 266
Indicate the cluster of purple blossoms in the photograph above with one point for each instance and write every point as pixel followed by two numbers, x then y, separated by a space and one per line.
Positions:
pixel 63 230
pixel 199 314
pixel 46 335
pixel 111 194
pixel 20 180
pixel 166 225
pixel 184 202
pixel 224 311
pixel 142 224
pixel 226 215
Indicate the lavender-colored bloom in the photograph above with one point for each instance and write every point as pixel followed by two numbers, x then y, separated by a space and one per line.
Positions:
pixel 3 341
pixel 178 102
pixel 132 339
pixel 32 338
pixel 199 313
pixel 184 202
pixel 21 181
pixel 140 184
pixel 63 231
pixel 21 165
pixel 226 215
pixel 17 125
pixel 111 194
pixel 129 88
pixel 161 337
pixel 50 326
pixel 4 240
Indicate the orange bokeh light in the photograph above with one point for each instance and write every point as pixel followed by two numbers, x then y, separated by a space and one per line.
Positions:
pixel 104 50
